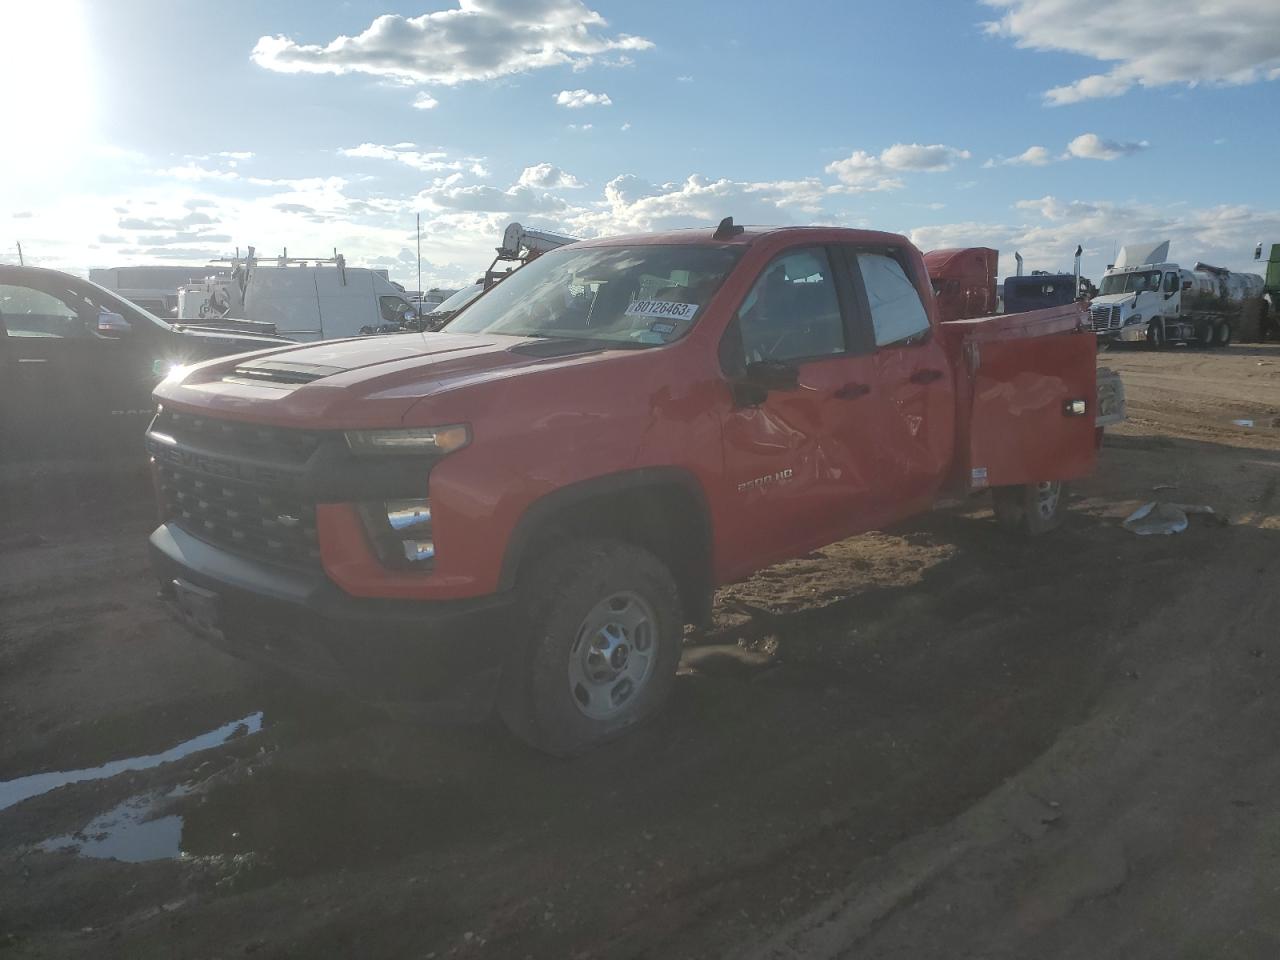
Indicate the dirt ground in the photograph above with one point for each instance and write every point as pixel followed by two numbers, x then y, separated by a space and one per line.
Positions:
pixel 938 742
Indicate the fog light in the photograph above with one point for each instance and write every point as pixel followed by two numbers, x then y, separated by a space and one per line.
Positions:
pixel 403 514
pixel 419 551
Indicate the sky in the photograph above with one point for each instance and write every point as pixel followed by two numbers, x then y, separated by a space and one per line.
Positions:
pixel 176 131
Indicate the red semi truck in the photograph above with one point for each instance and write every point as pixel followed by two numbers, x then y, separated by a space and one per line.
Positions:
pixel 531 504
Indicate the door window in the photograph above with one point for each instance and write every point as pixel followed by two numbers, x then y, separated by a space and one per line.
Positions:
pixel 1170 283
pixel 793 311
pixel 896 311
pixel 25 312
pixel 392 309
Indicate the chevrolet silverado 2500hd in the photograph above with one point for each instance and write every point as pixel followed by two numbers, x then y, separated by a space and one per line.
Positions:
pixel 538 498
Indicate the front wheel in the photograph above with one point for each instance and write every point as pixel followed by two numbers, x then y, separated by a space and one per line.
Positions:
pixel 1032 508
pixel 1155 335
pixel 603 635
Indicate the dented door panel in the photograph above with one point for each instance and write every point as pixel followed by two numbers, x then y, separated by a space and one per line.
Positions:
pixel 917 412
pixel 800 467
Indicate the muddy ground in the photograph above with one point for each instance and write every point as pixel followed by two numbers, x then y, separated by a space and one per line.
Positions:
pixel 935 742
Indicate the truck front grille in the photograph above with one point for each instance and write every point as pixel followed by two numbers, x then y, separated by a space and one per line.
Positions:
pixel 235 485
pixel 1105 318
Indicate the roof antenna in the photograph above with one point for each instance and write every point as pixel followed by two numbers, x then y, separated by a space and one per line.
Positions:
pixel 727 230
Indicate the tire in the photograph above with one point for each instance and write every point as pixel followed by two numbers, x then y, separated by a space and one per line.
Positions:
pixel 1222 334
pixel 1205 334
pixel 1030 509
pixel 563 691
pixel 1155 335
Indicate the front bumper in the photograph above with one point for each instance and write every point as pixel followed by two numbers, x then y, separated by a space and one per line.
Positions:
pixel 385 651
pixel 1133 333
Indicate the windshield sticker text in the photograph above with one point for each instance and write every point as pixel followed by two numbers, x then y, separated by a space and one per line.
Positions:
pixel 661 308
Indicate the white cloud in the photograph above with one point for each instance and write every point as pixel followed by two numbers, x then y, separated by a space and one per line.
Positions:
pixel 634 205
pixel 516 199
pixel 546 176
pixel 1152 43
pixel 1090 146
pixel 1030 157
pixel 425 101
pixel 1087 146
pixel 235 154
pixel 577 99
pixel 406 153
pixel 581 126
pixel 479 40
pixel 1052 227
pixel 194 172
pixel 862 171
pixel 625 127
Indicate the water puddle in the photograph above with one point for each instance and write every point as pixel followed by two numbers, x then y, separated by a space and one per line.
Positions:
pixel 24 788
pixel 128 833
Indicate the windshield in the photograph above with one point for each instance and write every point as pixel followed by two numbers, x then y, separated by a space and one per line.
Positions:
pixel 641 295
pixel 1137 282
pixel 459 300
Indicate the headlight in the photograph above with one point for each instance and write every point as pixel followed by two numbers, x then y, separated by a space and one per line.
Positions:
pixel 413 440
pixel 401 532
pixel 1135 318
pixel 170 372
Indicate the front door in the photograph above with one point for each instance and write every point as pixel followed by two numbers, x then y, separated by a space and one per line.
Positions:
pixel 799 462
pixel 71 388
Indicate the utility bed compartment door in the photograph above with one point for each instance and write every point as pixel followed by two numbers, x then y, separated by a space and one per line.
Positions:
pixel 1025 423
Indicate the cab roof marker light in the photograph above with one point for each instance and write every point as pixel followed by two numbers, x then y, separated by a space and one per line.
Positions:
pixel 413 440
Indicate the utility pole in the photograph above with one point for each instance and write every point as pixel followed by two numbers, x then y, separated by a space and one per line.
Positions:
pixel 417 229
pixel 21 263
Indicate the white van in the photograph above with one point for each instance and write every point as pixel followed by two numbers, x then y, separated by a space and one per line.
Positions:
pixel 305 299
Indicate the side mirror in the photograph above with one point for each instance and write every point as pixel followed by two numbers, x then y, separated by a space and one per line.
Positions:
pixel 761 378
pixel 112 324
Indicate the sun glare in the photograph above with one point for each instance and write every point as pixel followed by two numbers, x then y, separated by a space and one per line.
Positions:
pixel 47 85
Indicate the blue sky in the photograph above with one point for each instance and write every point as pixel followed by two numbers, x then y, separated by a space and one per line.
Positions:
pixel 175 131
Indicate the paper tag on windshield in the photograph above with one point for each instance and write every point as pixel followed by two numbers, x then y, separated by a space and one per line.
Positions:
pixel 661 309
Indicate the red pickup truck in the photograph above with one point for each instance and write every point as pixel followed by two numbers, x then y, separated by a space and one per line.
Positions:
pixel 531 504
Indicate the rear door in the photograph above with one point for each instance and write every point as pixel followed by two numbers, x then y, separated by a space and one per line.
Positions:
pixel 800 463
pixel 915 396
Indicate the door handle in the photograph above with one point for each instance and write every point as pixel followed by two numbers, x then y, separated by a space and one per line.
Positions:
pixel 852 391
pixel 926 376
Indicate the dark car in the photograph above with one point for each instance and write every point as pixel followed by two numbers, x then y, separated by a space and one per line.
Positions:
pixel 78 364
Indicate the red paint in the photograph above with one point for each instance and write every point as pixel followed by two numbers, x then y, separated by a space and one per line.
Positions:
pixel 864 440
pixel 964 281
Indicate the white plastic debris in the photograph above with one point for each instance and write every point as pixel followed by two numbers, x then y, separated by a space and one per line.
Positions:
pixel 1157 517
pixel 1243 423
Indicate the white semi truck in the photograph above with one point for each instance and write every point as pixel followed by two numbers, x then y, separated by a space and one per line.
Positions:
pixel 1145 298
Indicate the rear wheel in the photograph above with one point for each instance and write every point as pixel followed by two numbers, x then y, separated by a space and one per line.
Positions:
pixel 1222 334
pixel 1032 508
pixel 604 631
pixel 1205 334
